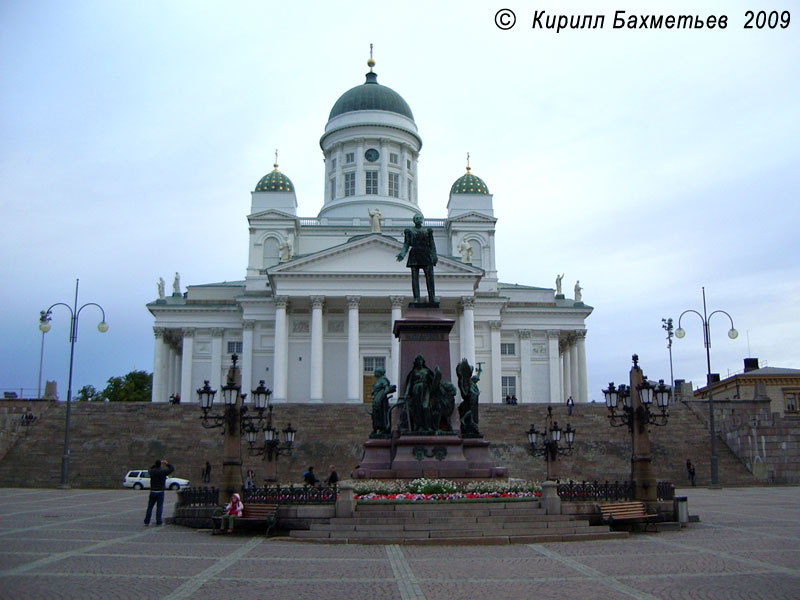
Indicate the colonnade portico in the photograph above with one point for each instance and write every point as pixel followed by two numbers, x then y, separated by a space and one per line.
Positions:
pixel 565 350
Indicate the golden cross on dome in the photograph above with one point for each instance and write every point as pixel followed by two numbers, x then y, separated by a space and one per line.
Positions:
pixel 468 162
pixel 276 159
pixel 371 61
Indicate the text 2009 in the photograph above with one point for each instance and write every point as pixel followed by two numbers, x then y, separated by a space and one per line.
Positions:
pixel 763 19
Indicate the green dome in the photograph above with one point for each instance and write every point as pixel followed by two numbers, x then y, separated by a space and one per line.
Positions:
pixel 371 96
pixel 275 181
pixel 469 184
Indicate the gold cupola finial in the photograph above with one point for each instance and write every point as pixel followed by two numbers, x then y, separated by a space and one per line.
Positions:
pixel 371 61
pixel 276 160
pixel 468 167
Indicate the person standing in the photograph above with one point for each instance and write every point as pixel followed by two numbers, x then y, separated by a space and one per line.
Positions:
pixel 158 479
pixel 570 404
pixel 207 473
pixel 690 472
pixel 333 477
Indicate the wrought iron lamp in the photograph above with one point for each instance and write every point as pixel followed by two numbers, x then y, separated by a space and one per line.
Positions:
pixel 546 442
pixel 272 448
pixel 636 409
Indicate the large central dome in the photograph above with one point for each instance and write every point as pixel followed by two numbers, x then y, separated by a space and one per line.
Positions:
pixel 371 96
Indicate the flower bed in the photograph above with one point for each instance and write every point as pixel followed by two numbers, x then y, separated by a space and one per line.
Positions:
pixel 443 490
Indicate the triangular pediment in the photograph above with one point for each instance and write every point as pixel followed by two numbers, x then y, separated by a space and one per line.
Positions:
pixel 372 254
pixel 473 217
pixel 271 215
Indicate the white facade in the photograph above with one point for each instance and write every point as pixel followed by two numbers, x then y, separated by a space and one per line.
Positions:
pixel 313 316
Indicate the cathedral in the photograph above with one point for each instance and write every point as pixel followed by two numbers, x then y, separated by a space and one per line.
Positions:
pixel 314 315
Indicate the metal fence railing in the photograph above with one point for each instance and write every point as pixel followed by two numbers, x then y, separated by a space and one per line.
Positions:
pixel 618 490
pixel 209 496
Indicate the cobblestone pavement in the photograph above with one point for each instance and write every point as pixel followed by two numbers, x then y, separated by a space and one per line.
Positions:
pixel 92 544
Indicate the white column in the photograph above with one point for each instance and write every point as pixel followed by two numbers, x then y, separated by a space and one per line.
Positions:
pixel 353 364
pixel 248 328
pixel 383 176
pixel 361 184
pixel 525 392
pixel 468 344
pixel 317 359
pixel 555 366
pixel 565 371
pixel 404 174
pixel 170 378
pixel 339 174
pixel 281 368
pixel 397 313
pixel 176 374
pixel 583 386
pixel 159 391
pixel 187 393
pixel 497 367
pixel 216 357
pixel 573 369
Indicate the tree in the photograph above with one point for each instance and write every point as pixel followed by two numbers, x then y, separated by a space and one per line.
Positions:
pixel 136 386
pixel 89 393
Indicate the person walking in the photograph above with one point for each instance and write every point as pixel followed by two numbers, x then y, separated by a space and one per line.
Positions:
pixel 207 473
pixel 690 472
pixel 309 476
pixel 233 509
pixel 570 404
pixel 158 479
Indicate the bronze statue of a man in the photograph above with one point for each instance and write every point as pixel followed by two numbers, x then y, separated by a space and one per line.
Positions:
pixel 422 255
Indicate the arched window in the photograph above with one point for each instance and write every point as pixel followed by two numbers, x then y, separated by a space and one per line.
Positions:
pixel 271 252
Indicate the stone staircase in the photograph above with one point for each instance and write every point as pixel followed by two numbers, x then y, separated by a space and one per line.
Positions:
pixel 479 523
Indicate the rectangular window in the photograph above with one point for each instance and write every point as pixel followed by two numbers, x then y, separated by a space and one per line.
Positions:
pixel 408 164
pixel 790 399
pixel 508 349
pixel 373 362
pixel 350 158
pixel 393 158
pixel 394 185
pixel 333 164
pixel 372 182
pixel 333 188
pixel 349 184
pixel 509 385
pixel 234 347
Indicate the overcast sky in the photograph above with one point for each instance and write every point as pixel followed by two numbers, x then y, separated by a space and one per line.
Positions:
pixel 645 163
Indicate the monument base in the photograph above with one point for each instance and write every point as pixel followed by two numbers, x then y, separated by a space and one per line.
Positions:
pixel 429 456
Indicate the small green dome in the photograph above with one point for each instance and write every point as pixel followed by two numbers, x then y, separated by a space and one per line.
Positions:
pixel 275 181
pixel 371 96
pixel 469 184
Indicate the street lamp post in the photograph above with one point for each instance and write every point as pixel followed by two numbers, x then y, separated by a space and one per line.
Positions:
pixel 636 400
pixel 732 334
pixel 44 327
pixel 666 325
pixel 44 319
pixel 546 443
pixel 235 421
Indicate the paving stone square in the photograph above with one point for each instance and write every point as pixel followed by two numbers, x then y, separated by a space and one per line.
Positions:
pixel 92 544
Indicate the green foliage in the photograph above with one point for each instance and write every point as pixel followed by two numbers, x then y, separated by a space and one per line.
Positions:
pixel 89 393
pixel 432 486
pixel 136 386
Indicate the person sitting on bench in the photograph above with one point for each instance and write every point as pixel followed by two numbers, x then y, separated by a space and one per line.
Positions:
pixel 233 509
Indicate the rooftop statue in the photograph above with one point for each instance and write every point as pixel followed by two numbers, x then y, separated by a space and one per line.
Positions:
pixel 375 220
pixel 465 248
pixel 176 285
pixel 161 287
pixel 422 255
pixel 559 278
pixel 578 290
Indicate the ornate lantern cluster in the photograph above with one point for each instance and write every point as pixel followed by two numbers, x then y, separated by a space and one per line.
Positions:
pixel 643 414
pixel 547 442
pixel 234 421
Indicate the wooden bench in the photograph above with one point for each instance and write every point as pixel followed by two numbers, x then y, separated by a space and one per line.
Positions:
pixel 254 514
pixel 626 512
